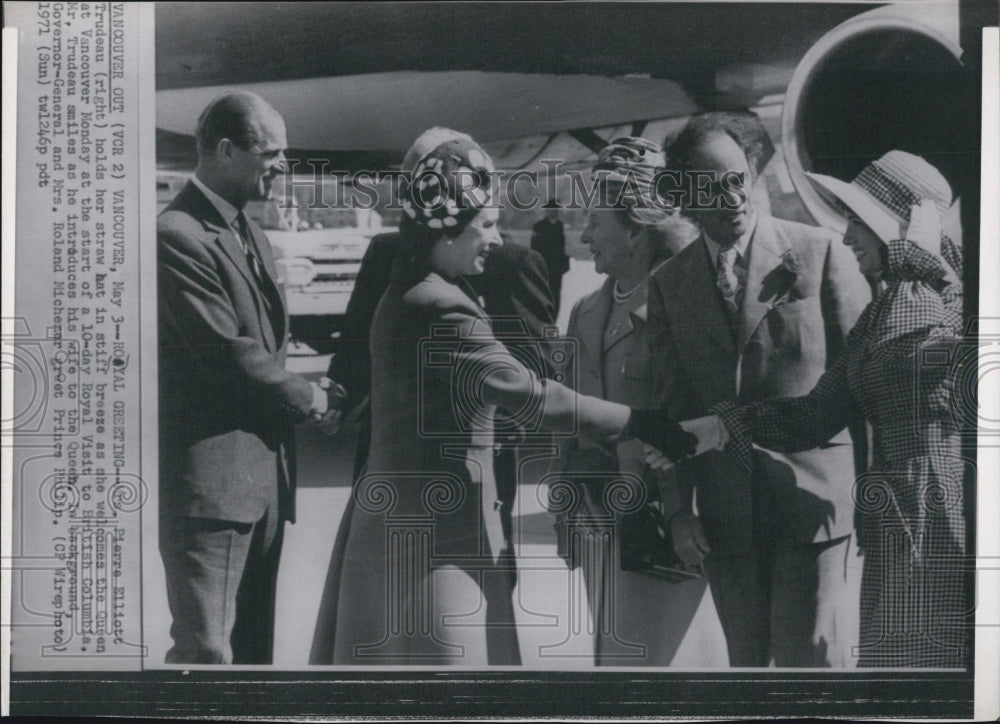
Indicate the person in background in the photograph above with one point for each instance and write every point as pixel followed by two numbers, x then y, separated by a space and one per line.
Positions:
pixel 548 238
pixel 639 620
pixel 759 307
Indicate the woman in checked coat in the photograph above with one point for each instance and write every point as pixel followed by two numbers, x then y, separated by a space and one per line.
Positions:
pixel 900 369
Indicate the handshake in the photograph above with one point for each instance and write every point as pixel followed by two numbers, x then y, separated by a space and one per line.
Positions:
pixel 666 442
pixel 328 401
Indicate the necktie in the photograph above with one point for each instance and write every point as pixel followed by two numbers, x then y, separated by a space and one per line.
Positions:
pixel 729 280
pixel 243 234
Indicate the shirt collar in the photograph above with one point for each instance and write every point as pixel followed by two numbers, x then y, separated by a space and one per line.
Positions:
pixel 741 244
pixel 226 210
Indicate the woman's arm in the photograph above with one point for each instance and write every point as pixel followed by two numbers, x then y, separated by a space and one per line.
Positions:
pixel 490 374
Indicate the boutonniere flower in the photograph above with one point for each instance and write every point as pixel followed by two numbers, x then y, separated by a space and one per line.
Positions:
pixel 790 262
pixel 777 287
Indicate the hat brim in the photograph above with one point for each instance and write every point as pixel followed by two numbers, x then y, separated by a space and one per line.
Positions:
pixel 886 226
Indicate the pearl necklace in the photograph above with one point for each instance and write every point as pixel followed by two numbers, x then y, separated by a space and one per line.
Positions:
pixel 622 297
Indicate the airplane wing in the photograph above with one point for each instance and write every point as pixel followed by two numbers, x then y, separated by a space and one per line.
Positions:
pixel 357 82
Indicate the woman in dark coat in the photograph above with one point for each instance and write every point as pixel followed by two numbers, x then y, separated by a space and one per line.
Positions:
pixel 899 369
pixel 422 580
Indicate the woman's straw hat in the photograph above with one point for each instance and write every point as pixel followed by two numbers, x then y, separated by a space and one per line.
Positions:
pixel 885 191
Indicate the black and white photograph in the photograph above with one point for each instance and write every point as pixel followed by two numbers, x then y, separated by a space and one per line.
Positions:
pixel 501 359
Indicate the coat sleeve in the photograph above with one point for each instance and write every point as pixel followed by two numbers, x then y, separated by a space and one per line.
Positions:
pixel 200 323
pixel 677 487
pixel 490 374
pixel 928 274
pixel 795 424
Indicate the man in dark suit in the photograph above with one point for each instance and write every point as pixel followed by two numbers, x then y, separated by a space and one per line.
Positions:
pixel 756 308
pixel 227 404
pixel 548 238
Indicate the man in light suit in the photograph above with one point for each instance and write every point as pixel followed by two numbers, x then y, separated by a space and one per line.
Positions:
pixel 227 404
pixel 757 308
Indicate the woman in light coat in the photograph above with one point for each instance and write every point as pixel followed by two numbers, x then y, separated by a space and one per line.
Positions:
pixel 638 617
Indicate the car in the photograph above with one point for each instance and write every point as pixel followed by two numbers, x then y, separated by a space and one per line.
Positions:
pixel 318 268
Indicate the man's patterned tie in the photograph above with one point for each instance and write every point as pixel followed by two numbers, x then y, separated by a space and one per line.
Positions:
pixel 730 278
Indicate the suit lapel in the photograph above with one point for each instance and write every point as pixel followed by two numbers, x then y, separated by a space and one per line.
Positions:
pixel 765 255
pixel 226 239
pixel 194 202
pixel 700 296
pixel 635 312
pixel 263 250
pixel 591 320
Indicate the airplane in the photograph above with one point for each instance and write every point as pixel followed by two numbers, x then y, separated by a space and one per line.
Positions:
pixel 357 82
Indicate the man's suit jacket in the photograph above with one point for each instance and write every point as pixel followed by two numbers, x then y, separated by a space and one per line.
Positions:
pixel 227 404
pixel 548 238
pixel 803 294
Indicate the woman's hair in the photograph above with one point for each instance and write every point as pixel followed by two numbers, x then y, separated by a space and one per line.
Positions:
pixel 627 170
pixel 744 127
pixel 666 230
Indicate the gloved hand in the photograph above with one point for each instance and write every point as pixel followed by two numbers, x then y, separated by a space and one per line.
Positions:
pixel 655 428
pixel 924 228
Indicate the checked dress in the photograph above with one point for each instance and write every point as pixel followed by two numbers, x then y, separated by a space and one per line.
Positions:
pixel 900 368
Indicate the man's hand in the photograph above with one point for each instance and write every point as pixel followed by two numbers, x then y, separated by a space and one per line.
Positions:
pixel 328 397
pixel 320 403
pixel 688 537
pixel 329 422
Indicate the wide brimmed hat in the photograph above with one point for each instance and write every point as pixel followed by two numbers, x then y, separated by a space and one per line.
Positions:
pixel 885 191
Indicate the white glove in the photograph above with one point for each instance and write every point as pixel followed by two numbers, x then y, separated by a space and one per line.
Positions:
pixel 924 228
pixel 711 433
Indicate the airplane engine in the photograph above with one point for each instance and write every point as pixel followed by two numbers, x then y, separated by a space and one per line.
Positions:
pixel 886 79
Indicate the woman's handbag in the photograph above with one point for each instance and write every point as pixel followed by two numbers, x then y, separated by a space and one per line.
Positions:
pixel 646 546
